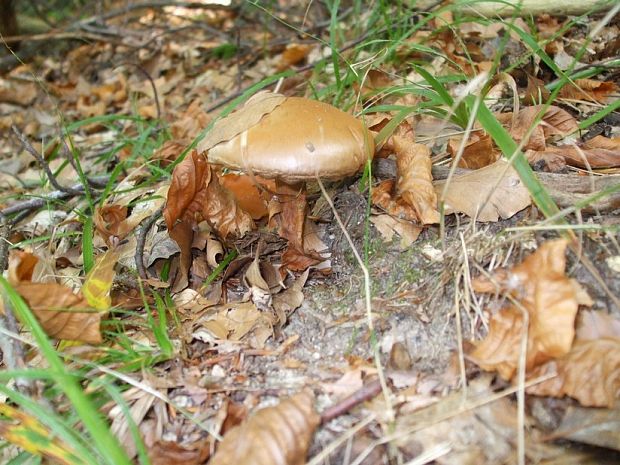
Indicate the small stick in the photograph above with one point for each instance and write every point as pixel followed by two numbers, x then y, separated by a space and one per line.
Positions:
pixel 363 394
pixel 27 205
pixel 39 158
pixel 139 256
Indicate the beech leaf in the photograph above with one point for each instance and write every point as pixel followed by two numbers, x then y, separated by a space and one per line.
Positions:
pixel 479 195
pixel 277 435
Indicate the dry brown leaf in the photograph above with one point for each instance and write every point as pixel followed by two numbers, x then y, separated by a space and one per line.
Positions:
pixel 277 435
pixel 551 300
pixel 388 226
pixel 195 194
pixel 588 89
pixel 249 196
pixel 108 220
pixel 590 373
pixel 168 452
pixel 62 313
pixel 237 320
pixel 598 152
pixel 182 233
pixel 555 122
pixel 241 120
pixel 189 179
pixel 479 195
pixel 536 92
pixel 18 92
pixel 415 181
pixel 592 324
pixel 293 54
pixel 220 210
pixel 478 152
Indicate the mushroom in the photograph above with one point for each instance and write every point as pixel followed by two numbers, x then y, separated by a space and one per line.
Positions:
pixel 298 140
pixel 288 141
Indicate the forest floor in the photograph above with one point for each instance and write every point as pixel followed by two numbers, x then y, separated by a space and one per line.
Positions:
pixel 457 301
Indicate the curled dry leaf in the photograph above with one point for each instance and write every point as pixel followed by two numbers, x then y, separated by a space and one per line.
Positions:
pixel 195 194
pixel 555 122
pixel 62 313
pixel 598 152
pixel 388 226
pixel 277 435
pixel 551 300
pixel 412 196
pixel 478 152
pixel 415 182
pixel 486 194
pixel 588 89
pixel 590 373
pixel 249 196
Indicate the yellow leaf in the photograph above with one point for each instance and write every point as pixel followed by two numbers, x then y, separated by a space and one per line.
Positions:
pixel 96 287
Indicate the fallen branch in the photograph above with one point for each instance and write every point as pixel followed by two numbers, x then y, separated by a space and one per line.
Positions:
pixel 76 189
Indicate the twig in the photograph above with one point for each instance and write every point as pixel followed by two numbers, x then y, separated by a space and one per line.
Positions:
pixel 68 153
pixel 363 394
pixel 141 241
pixel 12 350
pixel 28 205
pixel 150 79
pixel 39 158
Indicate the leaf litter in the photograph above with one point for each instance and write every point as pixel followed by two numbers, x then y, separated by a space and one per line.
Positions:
pixel 250 332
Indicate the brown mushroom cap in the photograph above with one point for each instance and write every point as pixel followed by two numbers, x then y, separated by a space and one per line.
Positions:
pixel 300 139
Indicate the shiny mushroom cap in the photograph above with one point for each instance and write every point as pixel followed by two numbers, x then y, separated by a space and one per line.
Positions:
pixel 298 140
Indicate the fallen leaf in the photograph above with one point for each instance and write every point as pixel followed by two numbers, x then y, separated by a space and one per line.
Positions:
pixel 293 54
pixel 247 193
pixel 588 89
pixel 277 435
pixel 551 300
pixel 478 152
pixel 596 427
pixel 62 313
pixel 415 181
pixel 98 282
pixel 196 194
pixel 388 226
pixel 555 122
pixel 241 120
pixel 28 433
pixel 167 452
pixel 486 194
pixel 589 373
pixel 598 152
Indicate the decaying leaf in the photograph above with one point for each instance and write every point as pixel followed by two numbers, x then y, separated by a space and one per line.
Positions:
pixel 168 452
pixel 389 225
pixel 486 194
pixel 597 427
pixel 554 122
pixel 588 89
pixel 62 313
pixel 29 434
pixel 478 153
pixel 241 120
pixel 590 373
pixel 293 54
pixel 277 435
pixel 415 181
pixel 248 195
pixel 236 320
pixel 550 299
pixel 412 196
pixel 598 152
pixel 195 194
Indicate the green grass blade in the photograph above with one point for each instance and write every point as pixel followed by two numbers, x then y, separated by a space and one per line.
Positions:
pixel 105 442
pixel 509 147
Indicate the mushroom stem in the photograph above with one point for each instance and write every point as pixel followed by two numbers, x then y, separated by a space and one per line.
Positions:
pixel 292 197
